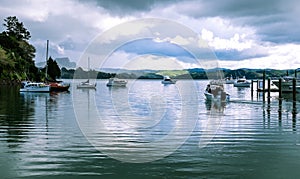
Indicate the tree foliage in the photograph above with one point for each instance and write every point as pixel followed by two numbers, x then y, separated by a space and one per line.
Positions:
pixel 16 29
pixel 53 70
pixel 16 54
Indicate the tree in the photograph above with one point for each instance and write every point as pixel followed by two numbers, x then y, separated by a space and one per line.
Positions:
pixel 16 54
pixel 53 69
pixel 16 29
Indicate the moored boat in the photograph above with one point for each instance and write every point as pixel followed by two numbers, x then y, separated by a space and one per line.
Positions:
pixel 241 82
pixel 215 91
pixel 27 86
pixel 116 82
pixel 87 85
pixel 59 86
pixel 168 80
pixel 287 84
pixel 229 80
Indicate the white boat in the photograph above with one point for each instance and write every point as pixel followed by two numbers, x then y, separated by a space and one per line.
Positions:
pixel 168 80
pixel 215 92
pixel 241 82
pixel 86 85
pixel 287 84
pixel 229 80
pixel 116 82
pixel 27 86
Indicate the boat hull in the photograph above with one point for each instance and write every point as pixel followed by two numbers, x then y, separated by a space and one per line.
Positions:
pixel 211 97
pixel 168 82
pixel 45 89
pixel 229 81
pixel 39 87
pixel 57 87
pixel 116 82
pixel 241 84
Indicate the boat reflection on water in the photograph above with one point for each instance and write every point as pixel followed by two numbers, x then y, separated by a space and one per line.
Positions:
pixel 215 106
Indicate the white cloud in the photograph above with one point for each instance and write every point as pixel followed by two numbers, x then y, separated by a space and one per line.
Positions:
pixel 118 59
pixel 60 50
pixel 153 62
pixel 285 56
pixel 121 59
pixel 237 42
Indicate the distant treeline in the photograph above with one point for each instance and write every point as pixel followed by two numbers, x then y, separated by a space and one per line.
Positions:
pixel 197 73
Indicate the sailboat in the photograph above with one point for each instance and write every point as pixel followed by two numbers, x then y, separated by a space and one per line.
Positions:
pixel 87 84
pixel 57 86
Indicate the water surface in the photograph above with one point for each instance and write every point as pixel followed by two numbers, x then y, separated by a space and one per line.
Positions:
pixel 40 135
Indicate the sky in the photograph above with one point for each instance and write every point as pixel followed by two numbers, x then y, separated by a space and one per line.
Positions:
pixel 239 33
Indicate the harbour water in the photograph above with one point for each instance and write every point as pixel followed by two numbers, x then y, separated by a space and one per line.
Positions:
pixel 59 135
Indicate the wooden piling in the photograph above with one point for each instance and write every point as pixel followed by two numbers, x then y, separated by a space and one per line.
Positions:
pixel 252 89
pixel 269 95
pixel 269 90
pixel 264 86
pixel 280 97
pixel 294 96
pixel 279 88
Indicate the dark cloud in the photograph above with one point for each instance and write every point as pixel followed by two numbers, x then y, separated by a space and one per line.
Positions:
pixel 273 20
pixel 127 7
pixel 231 8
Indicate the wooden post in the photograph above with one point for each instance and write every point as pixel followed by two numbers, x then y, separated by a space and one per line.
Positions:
pixel 294 96
pixel 252 89
pixel 296 73
pixel 269 90
pixel 280 102
pixel 279 88
pixel 269 95
pixel 264 86
pixel 280 98
pixel 294 121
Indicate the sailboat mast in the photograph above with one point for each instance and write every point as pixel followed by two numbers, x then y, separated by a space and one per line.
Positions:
pixel 47 59
pixel 89 68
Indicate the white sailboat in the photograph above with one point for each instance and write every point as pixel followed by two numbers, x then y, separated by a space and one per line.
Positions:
pixel 87 84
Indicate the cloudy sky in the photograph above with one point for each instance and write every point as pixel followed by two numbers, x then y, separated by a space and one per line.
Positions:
pixel 240 33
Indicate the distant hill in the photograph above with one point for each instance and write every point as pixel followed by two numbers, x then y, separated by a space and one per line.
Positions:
pixel 62 62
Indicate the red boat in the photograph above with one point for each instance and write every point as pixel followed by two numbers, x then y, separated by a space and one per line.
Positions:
pixel 58 86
